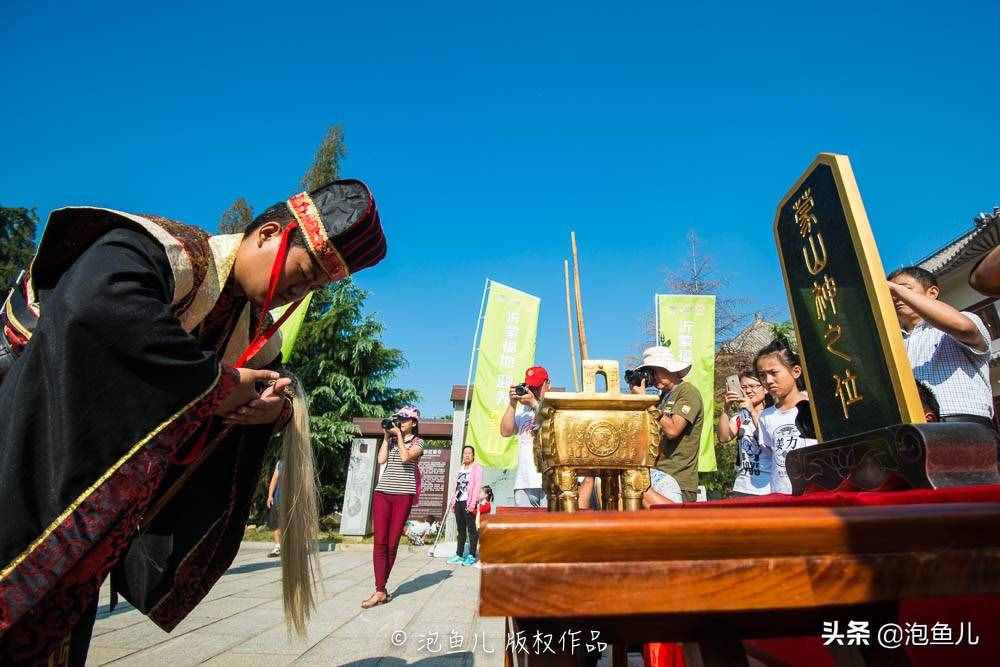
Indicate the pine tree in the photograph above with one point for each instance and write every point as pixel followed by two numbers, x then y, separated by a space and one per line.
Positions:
pixel 347 372
pixel 326 163
pixel 339 356
pixel 236 218
pixel 17 244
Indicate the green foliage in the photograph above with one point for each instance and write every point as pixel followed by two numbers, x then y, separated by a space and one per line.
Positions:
pixel 236 218
pixel 347 372
pixel 326 163
pixel 17 244
pixel 339 357
pixel 785 330
pixel 718 484
pixel 437 444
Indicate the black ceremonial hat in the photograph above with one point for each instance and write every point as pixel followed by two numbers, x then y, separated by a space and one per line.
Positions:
pixel 341 224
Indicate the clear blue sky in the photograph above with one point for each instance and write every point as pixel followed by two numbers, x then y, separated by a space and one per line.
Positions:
pixel 488 132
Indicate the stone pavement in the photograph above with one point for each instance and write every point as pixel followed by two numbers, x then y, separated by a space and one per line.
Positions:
pixel 241 622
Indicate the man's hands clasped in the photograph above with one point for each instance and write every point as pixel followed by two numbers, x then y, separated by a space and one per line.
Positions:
pixel 250 404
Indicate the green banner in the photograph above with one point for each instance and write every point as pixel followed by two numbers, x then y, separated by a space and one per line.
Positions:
pixel 290 329
pixel 686 324
pixel 506 350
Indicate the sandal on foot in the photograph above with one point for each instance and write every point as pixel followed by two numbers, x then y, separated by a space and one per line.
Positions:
pixel 374 600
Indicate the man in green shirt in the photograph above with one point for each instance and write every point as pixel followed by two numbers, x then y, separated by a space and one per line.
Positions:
pixel 675 477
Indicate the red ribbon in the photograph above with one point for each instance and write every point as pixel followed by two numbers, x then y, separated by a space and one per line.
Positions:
pixel 261 337
pixel 260 340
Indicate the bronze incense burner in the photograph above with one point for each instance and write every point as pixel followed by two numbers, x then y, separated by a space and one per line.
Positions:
pixel 610 435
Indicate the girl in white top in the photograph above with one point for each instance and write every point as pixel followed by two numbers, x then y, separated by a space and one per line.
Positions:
pixel 753 462
pixel 779 370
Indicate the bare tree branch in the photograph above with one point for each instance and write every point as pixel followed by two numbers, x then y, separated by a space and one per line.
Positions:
pixel 696 274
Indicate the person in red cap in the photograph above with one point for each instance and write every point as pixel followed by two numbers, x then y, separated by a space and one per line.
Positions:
pixel 520 420
pixel 139 392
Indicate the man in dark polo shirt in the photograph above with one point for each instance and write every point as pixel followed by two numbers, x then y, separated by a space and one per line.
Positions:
pixel 675 477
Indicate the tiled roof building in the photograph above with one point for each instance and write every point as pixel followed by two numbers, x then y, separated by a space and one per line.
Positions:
pixel 757 335
pixel 963 252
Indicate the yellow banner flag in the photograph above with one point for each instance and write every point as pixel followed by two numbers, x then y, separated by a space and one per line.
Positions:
pixel 506 351
pixel 686 324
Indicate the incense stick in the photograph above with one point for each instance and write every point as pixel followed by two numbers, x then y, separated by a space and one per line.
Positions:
pixel 579 301
pixel 569 329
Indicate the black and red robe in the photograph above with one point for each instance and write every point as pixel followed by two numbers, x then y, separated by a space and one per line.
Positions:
pixel 124 328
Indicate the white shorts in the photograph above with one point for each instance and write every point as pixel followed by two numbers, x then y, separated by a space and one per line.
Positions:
pixel 665 485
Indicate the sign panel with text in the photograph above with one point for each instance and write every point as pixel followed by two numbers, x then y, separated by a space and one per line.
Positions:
pixel 856 369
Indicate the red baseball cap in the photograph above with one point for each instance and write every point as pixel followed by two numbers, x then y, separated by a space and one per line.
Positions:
pixel 535 376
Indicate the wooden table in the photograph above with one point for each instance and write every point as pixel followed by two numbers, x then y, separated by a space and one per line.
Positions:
pixel 712 576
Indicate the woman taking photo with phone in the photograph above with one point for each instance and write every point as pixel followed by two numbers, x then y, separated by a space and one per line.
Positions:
pixel 395 494
pixel 753 463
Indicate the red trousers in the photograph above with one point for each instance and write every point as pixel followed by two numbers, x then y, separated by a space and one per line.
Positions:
pixel 389 514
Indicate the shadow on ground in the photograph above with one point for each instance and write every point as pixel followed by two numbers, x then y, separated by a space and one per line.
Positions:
pixel 464 658
pixel 421 582
pixel 253 567
pixel 104 611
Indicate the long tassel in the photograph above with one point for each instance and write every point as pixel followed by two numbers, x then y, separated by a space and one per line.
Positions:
pixel 299 509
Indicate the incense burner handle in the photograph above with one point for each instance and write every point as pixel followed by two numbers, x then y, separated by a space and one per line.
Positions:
pixel 606 367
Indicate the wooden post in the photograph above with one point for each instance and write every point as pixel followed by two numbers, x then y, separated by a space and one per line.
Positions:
pixel 569 330
pixel 579 301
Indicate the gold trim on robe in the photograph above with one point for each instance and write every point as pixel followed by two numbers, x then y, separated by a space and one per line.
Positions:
pixel 103 478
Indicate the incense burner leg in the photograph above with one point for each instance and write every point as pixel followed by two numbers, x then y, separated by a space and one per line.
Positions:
pixel 635 482
pixel 551 490
pixel 569 497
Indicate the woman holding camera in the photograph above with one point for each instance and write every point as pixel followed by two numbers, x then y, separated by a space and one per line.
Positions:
pixel 395 494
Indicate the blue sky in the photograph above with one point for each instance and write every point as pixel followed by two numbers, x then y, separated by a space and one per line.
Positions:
pixel 488 132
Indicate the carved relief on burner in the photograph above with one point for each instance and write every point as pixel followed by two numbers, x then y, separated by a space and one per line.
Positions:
pixel 606 436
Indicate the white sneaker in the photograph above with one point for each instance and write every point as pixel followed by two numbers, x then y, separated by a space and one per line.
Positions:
pixel 276 553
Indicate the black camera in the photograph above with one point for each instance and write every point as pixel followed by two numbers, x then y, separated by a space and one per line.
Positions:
pixel 521 390
pixel 391 422
pixel 635 376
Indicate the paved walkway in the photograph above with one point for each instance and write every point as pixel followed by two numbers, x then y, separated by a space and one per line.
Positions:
pixel 241 621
